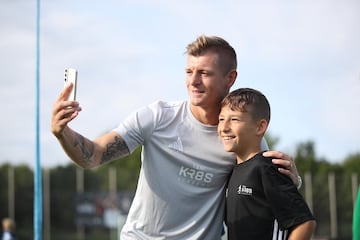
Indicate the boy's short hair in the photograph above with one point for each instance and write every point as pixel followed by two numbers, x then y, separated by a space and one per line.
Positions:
pixel 248 100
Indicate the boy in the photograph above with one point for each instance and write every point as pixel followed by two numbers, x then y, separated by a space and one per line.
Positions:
pixel 257 193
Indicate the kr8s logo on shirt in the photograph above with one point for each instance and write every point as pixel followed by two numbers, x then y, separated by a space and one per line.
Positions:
pixel 195 176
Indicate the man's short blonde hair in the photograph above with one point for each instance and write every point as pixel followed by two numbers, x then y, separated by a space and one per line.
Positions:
pixel 226 53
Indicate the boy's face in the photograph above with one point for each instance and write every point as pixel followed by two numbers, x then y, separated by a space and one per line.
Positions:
pixel 238 131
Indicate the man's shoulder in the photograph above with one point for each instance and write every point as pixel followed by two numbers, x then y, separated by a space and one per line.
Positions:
pixel 168 104
pixel 166 107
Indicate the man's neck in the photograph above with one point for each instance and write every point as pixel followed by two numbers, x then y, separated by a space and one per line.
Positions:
pixel 209 116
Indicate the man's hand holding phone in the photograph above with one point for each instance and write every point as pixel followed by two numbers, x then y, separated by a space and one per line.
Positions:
pixel 70 77
pixel 65 107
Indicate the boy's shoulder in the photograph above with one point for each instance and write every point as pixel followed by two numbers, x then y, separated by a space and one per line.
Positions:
pixel 260 159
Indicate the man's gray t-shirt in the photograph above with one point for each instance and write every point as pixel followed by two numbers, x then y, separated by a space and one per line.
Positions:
pixel 183 177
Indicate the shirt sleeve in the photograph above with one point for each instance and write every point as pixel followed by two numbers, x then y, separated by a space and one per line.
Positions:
pixel 137 127
pixel 287 204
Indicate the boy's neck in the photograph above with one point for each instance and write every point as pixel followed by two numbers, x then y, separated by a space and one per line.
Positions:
pixel 245 156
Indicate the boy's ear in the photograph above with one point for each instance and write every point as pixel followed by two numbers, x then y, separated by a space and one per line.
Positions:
pixel 261 127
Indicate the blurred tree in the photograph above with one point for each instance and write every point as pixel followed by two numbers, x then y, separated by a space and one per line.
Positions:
pixel 62 195
pixel 23 202
pixel 305 157
pixel 127 172
pixel 352 164
pixel 63 192
pixel 63 189
pixel 4 212
pixel 307 161
pixel 271 140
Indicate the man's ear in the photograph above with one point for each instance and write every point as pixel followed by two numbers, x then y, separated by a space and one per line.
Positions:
pixel 261 127
pixel 231 76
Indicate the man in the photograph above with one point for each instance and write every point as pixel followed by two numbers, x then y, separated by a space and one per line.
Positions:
pixel 182 182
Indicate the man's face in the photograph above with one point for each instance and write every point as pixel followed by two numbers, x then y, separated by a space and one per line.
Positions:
pixel 206 82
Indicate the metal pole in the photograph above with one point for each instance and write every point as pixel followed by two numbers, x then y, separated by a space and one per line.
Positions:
pixel 308 190
pixel 80 190
pixel 332 199
pixel 11 192
pixel 112 180
pixel 47 214
pixel 112 194
pixel 38 214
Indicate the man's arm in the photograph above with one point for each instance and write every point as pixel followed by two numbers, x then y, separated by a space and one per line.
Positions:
pixel 89 154
pixel 81 150
pixel 303 231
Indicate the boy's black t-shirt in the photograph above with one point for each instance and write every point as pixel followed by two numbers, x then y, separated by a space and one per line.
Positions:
pixel 257 195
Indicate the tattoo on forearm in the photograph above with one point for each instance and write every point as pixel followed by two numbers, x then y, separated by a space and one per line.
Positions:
pixel 86 148
pixel 114 150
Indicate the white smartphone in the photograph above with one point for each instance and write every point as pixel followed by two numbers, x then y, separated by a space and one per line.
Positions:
pixel 71 77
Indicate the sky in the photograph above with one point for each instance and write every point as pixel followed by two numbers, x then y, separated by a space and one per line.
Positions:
pixel 303 55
